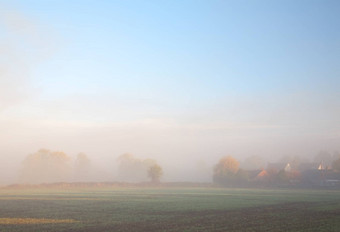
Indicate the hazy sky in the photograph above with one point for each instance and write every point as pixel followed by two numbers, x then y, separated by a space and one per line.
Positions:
pixel 169 80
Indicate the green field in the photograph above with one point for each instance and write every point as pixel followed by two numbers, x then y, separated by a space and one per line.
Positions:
pixel 168 209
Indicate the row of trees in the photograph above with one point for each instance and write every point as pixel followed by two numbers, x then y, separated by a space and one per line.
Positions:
pixel 46 166
pixel 133 169
pixel 54 166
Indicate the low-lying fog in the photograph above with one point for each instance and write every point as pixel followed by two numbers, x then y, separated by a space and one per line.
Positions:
pixel 183 92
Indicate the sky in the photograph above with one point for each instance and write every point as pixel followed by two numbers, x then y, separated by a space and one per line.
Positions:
pixel 182 82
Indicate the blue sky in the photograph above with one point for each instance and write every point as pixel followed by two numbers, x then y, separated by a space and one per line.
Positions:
pixel 263 73
pixel 203 48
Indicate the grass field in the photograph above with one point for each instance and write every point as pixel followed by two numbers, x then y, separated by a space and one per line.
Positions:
pixel 168 209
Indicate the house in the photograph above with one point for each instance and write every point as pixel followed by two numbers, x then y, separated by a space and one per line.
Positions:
pixel 276 167
pixel 320 177
pixel 309 166
pixel 258 175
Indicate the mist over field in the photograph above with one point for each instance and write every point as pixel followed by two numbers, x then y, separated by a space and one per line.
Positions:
pixel 179 83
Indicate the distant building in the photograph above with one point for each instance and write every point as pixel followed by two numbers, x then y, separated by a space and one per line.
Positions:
pixel 258 175
pixel 276 167
pixel 308 166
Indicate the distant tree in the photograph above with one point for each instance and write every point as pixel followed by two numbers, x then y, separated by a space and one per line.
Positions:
pixel 336 165
pixel 82 167
pixel 46 166
pixel 132 169
pixel 225 170
pixel 155 172
pixel 336 155
pixel 242 177
pixel 149 162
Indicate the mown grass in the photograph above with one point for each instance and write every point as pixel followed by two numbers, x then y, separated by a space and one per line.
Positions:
pixel 170 209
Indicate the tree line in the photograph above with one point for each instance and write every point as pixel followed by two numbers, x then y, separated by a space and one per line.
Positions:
pixel 46 166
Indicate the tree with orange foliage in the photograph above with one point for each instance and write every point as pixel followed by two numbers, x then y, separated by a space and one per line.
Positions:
pixel 225 170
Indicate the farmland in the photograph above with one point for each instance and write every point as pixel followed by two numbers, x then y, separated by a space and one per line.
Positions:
pixel 168 209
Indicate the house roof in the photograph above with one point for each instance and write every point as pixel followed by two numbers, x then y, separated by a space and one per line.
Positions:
pixel 257 174
pixel 253 173
pixel 312 166
pixel 277 166
pixel 308 166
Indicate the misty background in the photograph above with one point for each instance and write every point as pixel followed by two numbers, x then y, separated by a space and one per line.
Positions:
pixel 181 83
